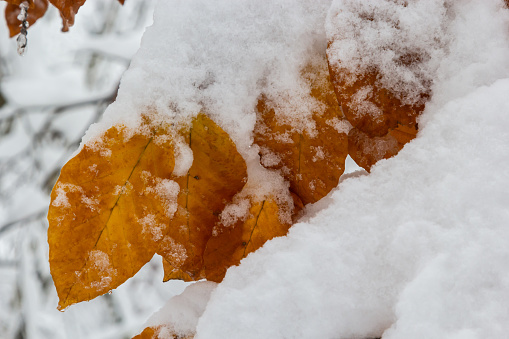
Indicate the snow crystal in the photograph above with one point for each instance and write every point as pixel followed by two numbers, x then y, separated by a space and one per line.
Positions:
pixel 235 211
pixel 61 198
pixel 269 158
pixel 183 157
pixel 151 226
pixel 318 154
pixel 165 189
pixel 90 202
pixel 62 189
pixel 100 262
pixel 175 252
pixel 341 126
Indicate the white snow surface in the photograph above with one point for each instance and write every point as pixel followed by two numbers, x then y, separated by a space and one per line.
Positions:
pixel 418 248
pixel 218 57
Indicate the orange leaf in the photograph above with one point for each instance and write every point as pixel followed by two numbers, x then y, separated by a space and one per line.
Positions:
pixel 311 163
pixel 218 173
pixel 68 9
pixel 110 207
pixel 382 123
pixel 366 150
pixel 232 243
pixel 160 332
pixel 36 10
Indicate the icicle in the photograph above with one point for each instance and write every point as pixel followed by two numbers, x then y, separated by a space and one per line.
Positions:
pixel 22 37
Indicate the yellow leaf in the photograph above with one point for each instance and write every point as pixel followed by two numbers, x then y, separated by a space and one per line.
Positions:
pixel 232 243
pixel 218 173
pixel 108 212
pixel 312 163
pixel 118 202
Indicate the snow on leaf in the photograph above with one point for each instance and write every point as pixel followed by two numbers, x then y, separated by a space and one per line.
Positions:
pixel 232 243
pixel 367 151
pixel 383 84
pixel 106 210
pixel 302 156
pixel 217 173
pixel 130 205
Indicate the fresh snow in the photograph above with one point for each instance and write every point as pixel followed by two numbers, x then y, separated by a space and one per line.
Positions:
pixel 419 247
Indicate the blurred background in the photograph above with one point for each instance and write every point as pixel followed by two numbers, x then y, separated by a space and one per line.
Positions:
pixel 48 99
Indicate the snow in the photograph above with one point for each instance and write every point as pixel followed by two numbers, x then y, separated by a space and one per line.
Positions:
pixel 182 312
pixel 384 36
pixel 418 248
pixel 165 190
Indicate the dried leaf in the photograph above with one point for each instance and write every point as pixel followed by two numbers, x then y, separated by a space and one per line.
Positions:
pixel 36 10
pixel 160 332
pixel 107 213
pixel 369 108
pixel 148 333
pixel 366 150
pixel 68 9
pixel 218 173
pixel 382 123
pixel 312 163
pixel 230 244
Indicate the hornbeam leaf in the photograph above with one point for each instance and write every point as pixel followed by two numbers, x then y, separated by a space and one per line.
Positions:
pixel 217 173
pixel 118 202
pixel 232 243
pixel 110 208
